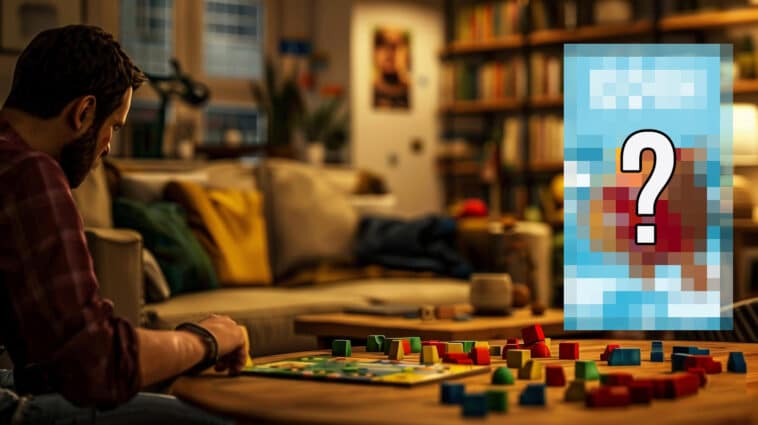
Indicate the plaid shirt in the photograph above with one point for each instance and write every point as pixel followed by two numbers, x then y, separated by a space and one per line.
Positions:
pixel 50 311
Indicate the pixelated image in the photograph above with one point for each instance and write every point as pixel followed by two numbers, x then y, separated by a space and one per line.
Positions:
pixel 683 279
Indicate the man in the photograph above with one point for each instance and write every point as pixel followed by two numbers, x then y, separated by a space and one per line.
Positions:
pixel 72 89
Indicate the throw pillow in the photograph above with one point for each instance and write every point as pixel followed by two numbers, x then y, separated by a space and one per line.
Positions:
pixel 156 287
pixel 229 224
pixel 166 234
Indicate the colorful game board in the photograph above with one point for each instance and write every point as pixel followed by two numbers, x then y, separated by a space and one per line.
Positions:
pixel 362 370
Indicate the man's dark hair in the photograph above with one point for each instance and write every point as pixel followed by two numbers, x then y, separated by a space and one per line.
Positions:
pixel 62 64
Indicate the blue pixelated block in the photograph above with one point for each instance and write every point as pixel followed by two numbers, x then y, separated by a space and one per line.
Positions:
pixel 475 405
pixel 624 357
pixel 656 356
pixel 677 361
pixel 736 362
pixel 452 393
pixel 533 395
pixel 657 346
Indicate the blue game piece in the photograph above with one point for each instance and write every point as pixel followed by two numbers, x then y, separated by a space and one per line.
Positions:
pixel 684 349
pixel 702 351
pixel 677 361
pixel 656 356
pixel 533 395
pixel 475 405
pixel 736 362
pixel 624 357
pixel 452 393
pixel 657 346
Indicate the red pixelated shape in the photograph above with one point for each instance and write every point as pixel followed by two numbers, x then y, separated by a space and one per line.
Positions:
pixel 700 372
pixel 554 376
pixel 608 397
pixel 641 391
pixel 480 356
pixel 608 350
pixel 532 334
pixel 697 361
pixel 618 378
pixel 540 350
pixel 510 347
pixel 568 350
pixel 715 367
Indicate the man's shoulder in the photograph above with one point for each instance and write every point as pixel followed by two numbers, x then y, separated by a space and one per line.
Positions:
pixel 27 170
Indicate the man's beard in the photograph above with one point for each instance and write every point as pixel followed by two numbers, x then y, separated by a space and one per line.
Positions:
pixel 78 157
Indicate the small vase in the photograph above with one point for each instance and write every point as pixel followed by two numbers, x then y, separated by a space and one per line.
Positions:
pixel 315 153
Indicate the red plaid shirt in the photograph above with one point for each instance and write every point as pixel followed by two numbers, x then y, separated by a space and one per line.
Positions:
pixel 50 310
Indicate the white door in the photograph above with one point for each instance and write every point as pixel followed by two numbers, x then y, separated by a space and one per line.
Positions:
pixel 399 144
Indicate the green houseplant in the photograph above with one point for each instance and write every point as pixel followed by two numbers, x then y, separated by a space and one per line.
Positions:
pixel 325 127
pixel 281 101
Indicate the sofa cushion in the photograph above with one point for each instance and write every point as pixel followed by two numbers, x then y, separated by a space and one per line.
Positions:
pixel 93 200
pixel 436 291
pixel 148 186
pixel 156 287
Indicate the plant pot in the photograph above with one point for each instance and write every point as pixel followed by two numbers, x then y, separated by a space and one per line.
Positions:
pixel 315 153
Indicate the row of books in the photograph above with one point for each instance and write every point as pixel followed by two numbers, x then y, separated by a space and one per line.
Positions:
pixel 466 80
pixel 487 21
pixel 545 140
pixel 547 74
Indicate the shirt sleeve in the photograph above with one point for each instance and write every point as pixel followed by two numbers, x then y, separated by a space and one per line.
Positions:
pixel 62 320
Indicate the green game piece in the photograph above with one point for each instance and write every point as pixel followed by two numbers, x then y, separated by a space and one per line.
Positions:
pixel 586 370
pixel 341 348
pixel 375 343
pixel 415 344
pixel 467 345
pixel 576 391
pixel 497 400
pixel 502 376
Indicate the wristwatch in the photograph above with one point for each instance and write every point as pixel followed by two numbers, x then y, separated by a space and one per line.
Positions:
pixel 211 354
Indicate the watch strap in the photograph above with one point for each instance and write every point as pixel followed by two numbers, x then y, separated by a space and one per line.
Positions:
pixel 211 355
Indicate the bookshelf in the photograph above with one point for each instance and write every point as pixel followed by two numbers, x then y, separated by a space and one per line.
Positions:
pixel 524 175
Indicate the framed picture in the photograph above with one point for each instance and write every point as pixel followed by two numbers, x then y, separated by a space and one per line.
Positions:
pixel 392 67
pixel 21 20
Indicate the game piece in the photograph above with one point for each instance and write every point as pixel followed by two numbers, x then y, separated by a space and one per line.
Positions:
pixel 685 384
pixel 656 346
pixel 475 405
pixel 467 346
pixel 375 343
pixel 697 360
pixel 415 343
pixel 454 347
pixel 484 344
pixel 509 346
pixel 576 391
pixel 456 358
pixel 452 392
pixel 547 341
pixel 246 347
pixel 429 355
pixel 616 378
pixel 700 372
pixel 532 334
pixel 684 349
pixel 656 356
pixel 533 395
pixel 554 376
pixel 540 350
pixel 426 312
pixel 480 356
pixel 497 401
pixel 502 376
pixel 624 357
pixel 608 350
pixel 568 350
pixel 714 367
pixel 586 370
pixel 512 341
pixel 397 351
pixel 439 346
pixel 518 358
pixel 496 350
pixel 531 370
pixel 677 361
pixel 736 362
pixel 702 351
pixel 608 396
pixel 641 391
pixel 341 348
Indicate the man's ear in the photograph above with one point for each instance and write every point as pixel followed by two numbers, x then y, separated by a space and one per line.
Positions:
pixel 82 113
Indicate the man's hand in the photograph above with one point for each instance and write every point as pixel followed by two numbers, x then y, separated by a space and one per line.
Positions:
pixel 231 342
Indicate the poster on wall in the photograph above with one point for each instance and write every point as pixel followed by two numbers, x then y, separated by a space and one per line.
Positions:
pixel 392 66
pixel 21 20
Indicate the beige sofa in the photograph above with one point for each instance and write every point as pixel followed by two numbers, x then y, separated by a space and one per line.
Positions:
pixel 267 312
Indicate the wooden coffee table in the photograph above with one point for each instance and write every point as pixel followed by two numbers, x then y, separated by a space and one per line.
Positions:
pixel 728 398
pixel 358 326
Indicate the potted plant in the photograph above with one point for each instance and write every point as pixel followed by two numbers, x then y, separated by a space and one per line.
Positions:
pixel 325 128
pixel 281 101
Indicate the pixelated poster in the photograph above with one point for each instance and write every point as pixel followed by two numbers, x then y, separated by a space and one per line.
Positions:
pixel 648 187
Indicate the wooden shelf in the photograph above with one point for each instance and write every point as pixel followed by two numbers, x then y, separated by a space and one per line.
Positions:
pixel 546 101
pixel 714 19
pixel 745 86
pixel 560 36
pixel 477 106
pixel 546 167
pixel 504 43
pixel 460 168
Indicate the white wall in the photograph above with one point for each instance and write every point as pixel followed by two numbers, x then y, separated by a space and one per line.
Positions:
pixel 377 134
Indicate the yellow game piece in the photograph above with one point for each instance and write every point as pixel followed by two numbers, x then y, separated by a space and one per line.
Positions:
pixel 248 359
pixel 518 358
pixel 454 347
pixel 482 344
pixel 429 355
pixel 396 350
pixel 547 342
pixel 531 370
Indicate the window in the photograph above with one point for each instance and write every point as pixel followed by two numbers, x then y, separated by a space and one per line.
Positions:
pixel 233 34
pixel 219 119
pixel 147 33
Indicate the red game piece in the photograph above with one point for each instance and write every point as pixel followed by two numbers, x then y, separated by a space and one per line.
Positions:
pixel 700 372
pixel 714 367
pixel 568 350
pixel 554 376
pixel 697 361
pixel 618 378
pixel 512 341
pixel 641 391
pixel 509 346
pixel 685 384
pixel 662 388
pixel 532 334
pixel 455 357
pixel 480 355
pixel 464 361
pixel 406 345
pixel 540 350
pixel 608 396
pixel 608 349
pixel 440 347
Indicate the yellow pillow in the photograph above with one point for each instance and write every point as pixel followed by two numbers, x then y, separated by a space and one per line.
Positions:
pixel 229 224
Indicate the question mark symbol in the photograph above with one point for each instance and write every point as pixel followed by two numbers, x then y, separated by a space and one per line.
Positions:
pixel 663 169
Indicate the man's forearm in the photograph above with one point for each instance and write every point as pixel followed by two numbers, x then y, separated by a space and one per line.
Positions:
pixel 165 354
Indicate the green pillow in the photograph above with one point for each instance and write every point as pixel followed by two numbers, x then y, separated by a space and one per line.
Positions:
pixel 165 233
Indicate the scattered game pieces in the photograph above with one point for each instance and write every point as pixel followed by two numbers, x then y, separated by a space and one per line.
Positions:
pixel 677 362
pixel 454 347
pixel 452 392
pixel 576 391
pixel 533 395
pixel 700 372
pixel 429 355
pixel 497 401
pixel 608 350
pixel 375 344
pixel 475 405
pixel 496 350
pixel 616 378
pixel 531 370
pixel 624 357
pixel 480 356
pixel 736 362
pixel 608 396
pixel 502 376
pixel 426 312
pixel 415 343
pixel 568 350
pixel 518 358
pixel 586 370
pixel 397 352
pixel 656 356
pixel 532 334
pixel 641 391
pixel 341 348
pixel 554 376
pixel 540 350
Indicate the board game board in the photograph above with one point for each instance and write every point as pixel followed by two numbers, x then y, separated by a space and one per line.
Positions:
pixel 362 370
